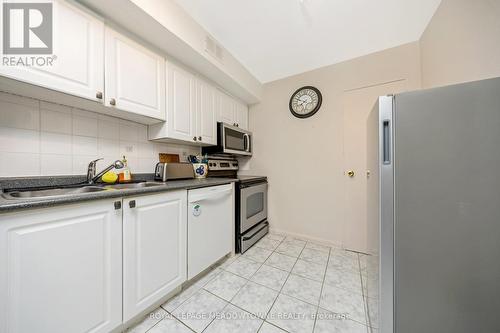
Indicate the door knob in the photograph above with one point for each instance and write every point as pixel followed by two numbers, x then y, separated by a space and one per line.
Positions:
pixel 350 173
pixel 112 101
pixel 98 95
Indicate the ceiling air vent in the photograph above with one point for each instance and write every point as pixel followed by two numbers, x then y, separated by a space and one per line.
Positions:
pixel 219 52
pixel 214 49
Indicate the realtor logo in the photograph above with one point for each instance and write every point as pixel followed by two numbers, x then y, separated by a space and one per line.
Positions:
pixel 27 28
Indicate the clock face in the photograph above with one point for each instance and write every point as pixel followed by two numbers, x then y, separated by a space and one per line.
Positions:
pixel 305 102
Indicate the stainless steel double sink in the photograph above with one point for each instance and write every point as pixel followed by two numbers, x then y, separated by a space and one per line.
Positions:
pixel 65 191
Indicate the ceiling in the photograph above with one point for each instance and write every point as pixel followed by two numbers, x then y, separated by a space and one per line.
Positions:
pixel 274 39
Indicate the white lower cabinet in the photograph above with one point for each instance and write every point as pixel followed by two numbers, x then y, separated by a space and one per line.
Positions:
pixel 88 268
pixel 154 249
pixel 61 269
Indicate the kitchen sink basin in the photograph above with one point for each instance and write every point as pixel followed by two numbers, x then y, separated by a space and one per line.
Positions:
pixel 54 192
pixel 132 185
pixel 67 191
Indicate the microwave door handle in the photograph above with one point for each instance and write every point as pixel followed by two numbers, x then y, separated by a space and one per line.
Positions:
pixel 246 142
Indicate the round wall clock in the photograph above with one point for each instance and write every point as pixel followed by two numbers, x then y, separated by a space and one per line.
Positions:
pixel 305 102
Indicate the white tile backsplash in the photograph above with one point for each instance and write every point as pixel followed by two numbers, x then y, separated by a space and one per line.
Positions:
pixel 19 164
pixel 54 164
pixel 81 163
pixel 55 143
pixel 83 125
pixel 108 128
pixel 19 112
pixel 38 138
pixel 128 131
pixel 55 118
pixel 16 140
pixel 107 147
pixel 84 145
pixel 55 122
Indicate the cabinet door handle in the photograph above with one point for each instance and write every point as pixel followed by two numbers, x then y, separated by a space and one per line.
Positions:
pixel 118 205
pixel 112 101
pixel 199 138
pixel 194 138
pixel 237 125
pixel 98 95
pixel 131 204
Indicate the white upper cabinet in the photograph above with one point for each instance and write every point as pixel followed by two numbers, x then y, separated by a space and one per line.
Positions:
pixel 206 123
pixel 61 269
pixel 190 110
pixel 231 111
pixel 241 111
pixel 154 249
pixel 134 76
pixel 181 103
pixel 225 108
pixel 78 55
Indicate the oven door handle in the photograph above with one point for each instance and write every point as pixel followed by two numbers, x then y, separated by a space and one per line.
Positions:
pixel 264 225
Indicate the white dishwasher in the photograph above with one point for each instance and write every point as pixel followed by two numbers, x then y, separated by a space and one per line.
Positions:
pixel 210 226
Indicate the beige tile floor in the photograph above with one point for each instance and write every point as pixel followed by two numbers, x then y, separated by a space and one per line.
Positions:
pixel 282 284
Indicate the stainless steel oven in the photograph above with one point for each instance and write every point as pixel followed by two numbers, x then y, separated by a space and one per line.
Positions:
pixel 251 219
pixel 231 140
pixel 253 207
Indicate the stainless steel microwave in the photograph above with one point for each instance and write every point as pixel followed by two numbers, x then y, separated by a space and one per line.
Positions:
pixel 231 140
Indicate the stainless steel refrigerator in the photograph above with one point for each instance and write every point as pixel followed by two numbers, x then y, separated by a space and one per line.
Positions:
pixel 434 211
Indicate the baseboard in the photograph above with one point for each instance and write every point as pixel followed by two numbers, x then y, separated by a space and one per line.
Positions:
pixel 306 237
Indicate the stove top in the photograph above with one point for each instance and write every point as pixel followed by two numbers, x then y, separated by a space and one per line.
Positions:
pixel 252 179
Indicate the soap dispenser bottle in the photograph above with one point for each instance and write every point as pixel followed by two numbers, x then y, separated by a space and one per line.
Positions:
pixel 125 175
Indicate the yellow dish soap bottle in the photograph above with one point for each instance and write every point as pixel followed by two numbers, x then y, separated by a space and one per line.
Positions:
pixel 125 175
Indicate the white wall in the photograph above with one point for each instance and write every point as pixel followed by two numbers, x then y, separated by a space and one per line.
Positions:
pixel 42 139
pixel 303 158
pixel 461 43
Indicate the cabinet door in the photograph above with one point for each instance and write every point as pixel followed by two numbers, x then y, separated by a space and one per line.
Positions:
pixel 60 269
pixel 206 124
pixel 181 100
pixel 135 77
pixel 225 108
pixel 154 249
pixel 242 115
pixel 78 55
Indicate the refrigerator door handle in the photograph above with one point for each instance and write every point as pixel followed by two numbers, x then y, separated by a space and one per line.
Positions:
pixel 386 135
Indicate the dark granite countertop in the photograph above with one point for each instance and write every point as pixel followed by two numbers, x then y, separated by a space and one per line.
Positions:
pixel 9 205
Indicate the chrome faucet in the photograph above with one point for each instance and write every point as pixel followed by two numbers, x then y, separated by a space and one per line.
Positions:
pixel 91 171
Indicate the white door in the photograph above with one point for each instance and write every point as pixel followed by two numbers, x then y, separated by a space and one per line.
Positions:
pixel 61 269
pixel 241 115
pixel 181 104
pixel 225 108
pixel 210 226
pixel 154 248
pixel 206 124
pixel 78 55
pixel 357 105
pixel 135 77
